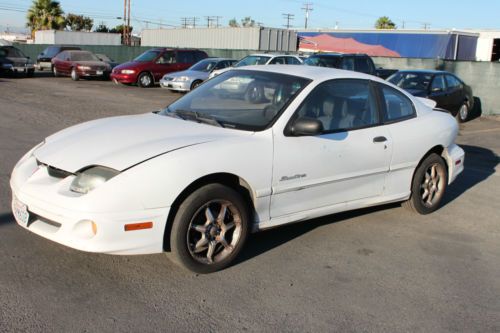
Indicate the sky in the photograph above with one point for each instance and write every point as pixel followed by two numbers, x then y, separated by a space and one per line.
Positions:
pixel 359 14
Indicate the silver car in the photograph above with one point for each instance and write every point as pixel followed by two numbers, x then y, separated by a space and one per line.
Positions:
pixel 191 78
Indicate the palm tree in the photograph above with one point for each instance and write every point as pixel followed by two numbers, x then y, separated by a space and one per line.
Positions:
pixel 45 15
pixel 385 23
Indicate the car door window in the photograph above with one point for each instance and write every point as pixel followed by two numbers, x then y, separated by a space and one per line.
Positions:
pixel 362 65
pixel 185 57
pixel 166 58
pixel 438 84
pixel 342 105
pixel 452 82
pixel 277 61
pixel 292 61
pixel 396 106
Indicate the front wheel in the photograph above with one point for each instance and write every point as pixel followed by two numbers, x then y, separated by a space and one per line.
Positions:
pixel 196 84
pixel 463 113
pixel 428 185
pixel 74 75
pixel 145 80
pixel 209 229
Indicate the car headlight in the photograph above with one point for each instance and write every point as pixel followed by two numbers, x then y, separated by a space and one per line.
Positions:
pixel 128 71
pixel 87 180
pixel 181 78
pixel 84 68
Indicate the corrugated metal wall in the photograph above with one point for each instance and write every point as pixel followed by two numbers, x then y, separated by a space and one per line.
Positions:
pixel 259 39
pixel 76 38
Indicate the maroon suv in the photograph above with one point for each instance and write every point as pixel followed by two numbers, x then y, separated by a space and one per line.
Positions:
pixel 150 66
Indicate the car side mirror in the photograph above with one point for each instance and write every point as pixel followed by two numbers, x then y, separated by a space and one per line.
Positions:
pixel 306 126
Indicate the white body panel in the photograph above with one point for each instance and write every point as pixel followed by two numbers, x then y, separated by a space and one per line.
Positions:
pixel 289 178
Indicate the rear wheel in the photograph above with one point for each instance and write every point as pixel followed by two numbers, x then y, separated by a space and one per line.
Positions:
pixel 428 185
pixel 145 80
pixel 74 75
pixel 463 113
pixel 209 229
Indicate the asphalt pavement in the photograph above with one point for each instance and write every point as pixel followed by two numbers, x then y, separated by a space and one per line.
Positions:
pixel 373 270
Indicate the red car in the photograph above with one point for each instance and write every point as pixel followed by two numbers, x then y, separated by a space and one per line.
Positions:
pixel 79 64
pixel 149 67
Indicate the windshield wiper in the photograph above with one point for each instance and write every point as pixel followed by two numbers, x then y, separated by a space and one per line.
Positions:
pixel 196 116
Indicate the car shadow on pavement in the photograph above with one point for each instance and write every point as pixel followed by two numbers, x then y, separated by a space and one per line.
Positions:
pixel 261 242
pixel 480 164
pixel 6 218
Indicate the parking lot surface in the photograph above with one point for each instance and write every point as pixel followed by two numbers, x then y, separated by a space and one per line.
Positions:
pixel 377 270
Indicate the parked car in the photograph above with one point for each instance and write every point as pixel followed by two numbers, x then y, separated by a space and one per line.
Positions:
pixel 152 65
pixel 13 61
pixel 262 59
pixel 78 64
pixel 189 79
pixel 44 59
pixel 198 176
pixel 107 60
pixel 353 62
pixel 448 91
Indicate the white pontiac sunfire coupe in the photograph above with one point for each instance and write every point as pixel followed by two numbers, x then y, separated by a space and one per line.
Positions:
pixel 250 149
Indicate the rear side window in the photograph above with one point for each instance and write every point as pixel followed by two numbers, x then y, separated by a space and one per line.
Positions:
pixel 185 57
pixel 348 64
pixel 342 105
pixel 452 81
pixel 277 61
pixel 363 65
pixel 292 61
pixel 62 56
pixel 396 106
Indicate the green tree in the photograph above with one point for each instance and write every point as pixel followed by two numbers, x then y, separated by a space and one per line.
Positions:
pixel 45 15
pixel 78 22
pixel 385 22
pixel 233 23
pixel 101 28
pixel 119 29
pixel 247 22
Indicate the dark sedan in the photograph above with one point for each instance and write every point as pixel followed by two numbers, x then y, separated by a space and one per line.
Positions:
pixel 79 64
pixel 449 92
pixel 44 59
pixel 13 61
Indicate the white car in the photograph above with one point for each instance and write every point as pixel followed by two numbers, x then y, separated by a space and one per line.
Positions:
pixel 261 59
pixel 197 177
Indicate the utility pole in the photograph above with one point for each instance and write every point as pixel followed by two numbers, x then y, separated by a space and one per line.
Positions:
pixel 184 22
pixel 129 33
pixel 288 17
pixel 403 25
pixel 426 26
pixel 124 30
pixel 307 8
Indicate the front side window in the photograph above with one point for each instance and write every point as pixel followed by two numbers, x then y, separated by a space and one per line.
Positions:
pixel 277 61
pixel 245 100
pixel 411 81
pixel 363 65
pixel 341 105
pixel 292 61
pixel 396 105
pixel 323 61
pixel 252 60
pixel 83 56
pixel 204 65
pixel 348 64
pixel 167 57
pixel 438 84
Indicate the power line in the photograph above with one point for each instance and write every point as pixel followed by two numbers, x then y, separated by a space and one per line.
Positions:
pixel 213 21
pixel 307 8
pixel 288 17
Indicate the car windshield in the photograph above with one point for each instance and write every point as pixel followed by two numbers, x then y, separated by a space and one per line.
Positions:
pixel 147 56
pixel 83 56
pixel 204 66
pixel 332 62
pixel 245 100
pixel 408 80
pixel 103 57
pixel 13 53
pixel 252 60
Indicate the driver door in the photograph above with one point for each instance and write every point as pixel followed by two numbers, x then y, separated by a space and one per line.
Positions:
pixel 165 63
pixel 348 161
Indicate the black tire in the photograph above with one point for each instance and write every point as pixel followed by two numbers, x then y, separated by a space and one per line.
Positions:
pixel 74 75
pixel 192 214
pixel 424 183
pixel 195 84
pixel 145 80
pixel 30 73
pixel 463 113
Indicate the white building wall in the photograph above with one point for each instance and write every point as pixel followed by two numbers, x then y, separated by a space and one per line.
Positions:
pixel 76 38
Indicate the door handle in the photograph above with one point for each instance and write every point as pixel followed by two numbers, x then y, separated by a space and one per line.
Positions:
pixel 378 139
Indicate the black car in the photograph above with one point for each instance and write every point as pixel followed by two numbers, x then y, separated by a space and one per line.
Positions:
pixel 44 59
pixel 449 92
pixel 353 62
pixel 13 61
pixel 107 60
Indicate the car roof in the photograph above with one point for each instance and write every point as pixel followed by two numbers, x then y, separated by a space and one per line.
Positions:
pixel 171 49
pixel 311 72
pixel 270 55
pixel 217 59
pixel 77 51
pixel 334 54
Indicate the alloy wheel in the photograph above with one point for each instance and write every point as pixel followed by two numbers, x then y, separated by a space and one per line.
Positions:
pixel 432 186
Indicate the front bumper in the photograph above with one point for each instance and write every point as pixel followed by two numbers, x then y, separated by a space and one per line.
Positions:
pixel 176 85
pixel 66 218
pixel 44 65
pixel 124 78
pixel 19 69
pixel 92 73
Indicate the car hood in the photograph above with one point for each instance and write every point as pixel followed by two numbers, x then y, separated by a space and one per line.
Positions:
pixel 122 142
pixel 130 65
pixel 17 61
pixel 190 74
